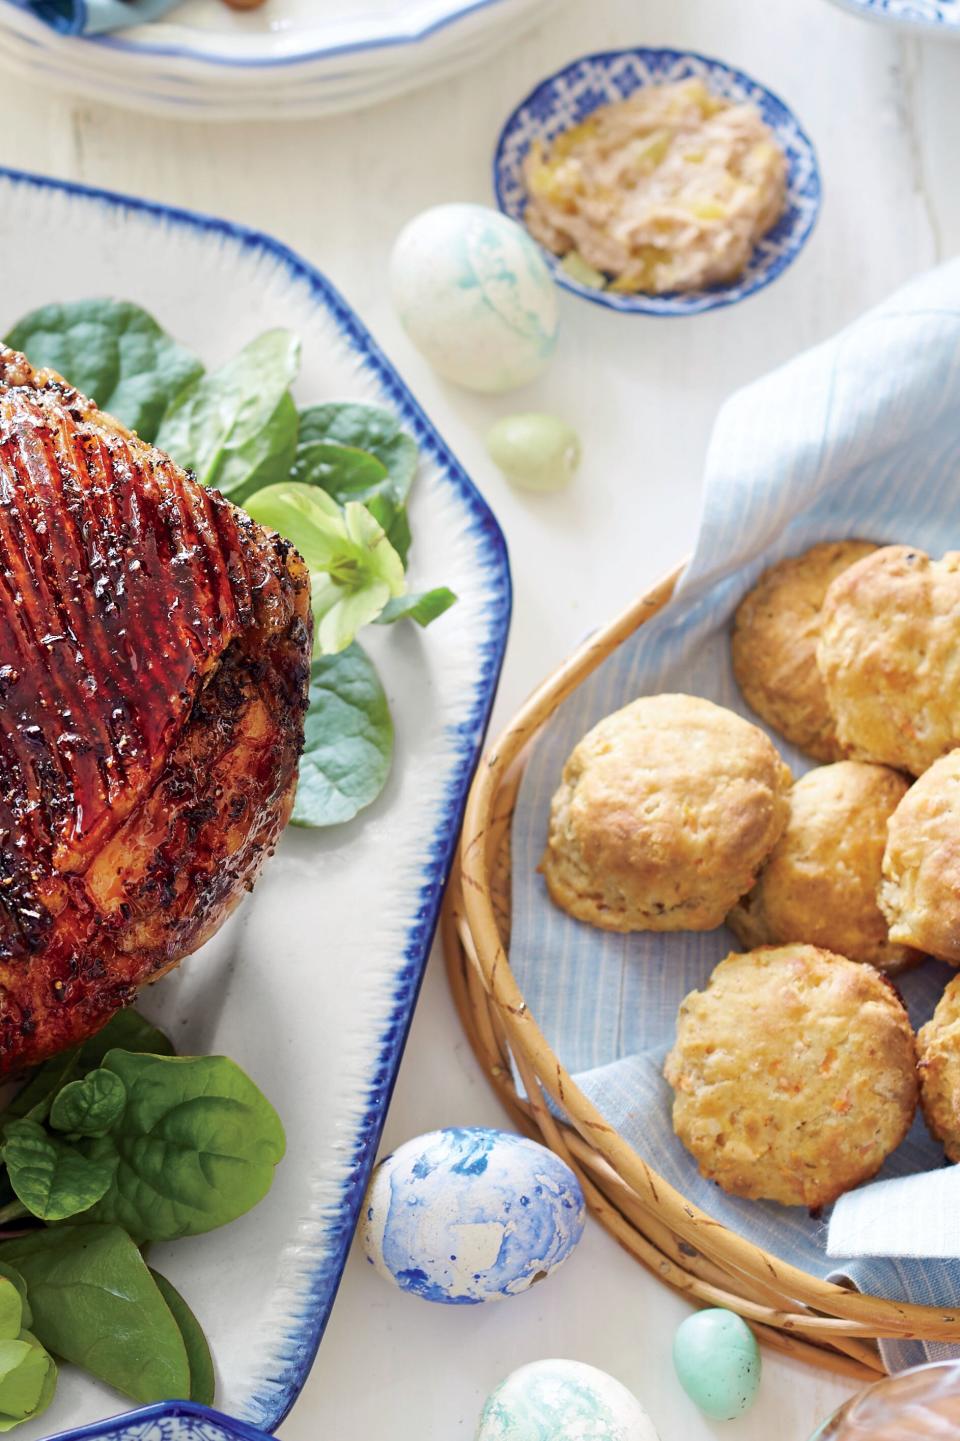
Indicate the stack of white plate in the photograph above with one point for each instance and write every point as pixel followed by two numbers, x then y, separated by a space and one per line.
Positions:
pixel 289 59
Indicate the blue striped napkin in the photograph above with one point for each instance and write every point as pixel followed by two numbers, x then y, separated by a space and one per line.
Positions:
pixel 95 17
pixel 859 437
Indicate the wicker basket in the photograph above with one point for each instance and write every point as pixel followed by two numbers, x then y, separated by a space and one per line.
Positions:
pixel 790 1310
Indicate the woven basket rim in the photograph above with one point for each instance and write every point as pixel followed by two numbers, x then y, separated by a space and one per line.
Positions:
pixel 798 1312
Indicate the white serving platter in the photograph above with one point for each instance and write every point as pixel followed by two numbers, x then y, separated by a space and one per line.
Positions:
pixel 311 985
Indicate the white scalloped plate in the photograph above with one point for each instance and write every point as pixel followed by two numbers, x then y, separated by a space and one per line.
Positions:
pixel 311 985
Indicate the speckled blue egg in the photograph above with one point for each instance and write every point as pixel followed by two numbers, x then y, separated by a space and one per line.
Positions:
pixel 717 1360
pixel 563 1401
pixel 474 295
pixel 468 1215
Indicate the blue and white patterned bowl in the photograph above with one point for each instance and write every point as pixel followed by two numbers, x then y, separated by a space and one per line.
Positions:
pixel 934 17
pixel 574 92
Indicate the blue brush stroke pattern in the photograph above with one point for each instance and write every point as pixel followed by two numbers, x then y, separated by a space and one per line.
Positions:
pixel 466 1215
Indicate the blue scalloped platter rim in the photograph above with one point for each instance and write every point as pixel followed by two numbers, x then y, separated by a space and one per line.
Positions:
pixel 166 1421
pixel 188 1420
pixel 571 94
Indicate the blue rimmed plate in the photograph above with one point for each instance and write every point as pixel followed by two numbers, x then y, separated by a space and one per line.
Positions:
pixel 569 96
pixel 311 985
pixel 934 17
pixel 288 59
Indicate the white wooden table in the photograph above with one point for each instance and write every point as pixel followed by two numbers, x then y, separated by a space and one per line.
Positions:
pixel 881 109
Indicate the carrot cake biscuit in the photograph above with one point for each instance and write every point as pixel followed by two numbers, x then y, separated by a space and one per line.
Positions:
pixel 889 655
pixel 938 1049
pixel 666 811
pixel 775 634
pixel 920 890
pixel 820 883
pixel 794 1074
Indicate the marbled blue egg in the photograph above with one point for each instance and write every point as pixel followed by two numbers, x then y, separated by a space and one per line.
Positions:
pixel 717 1361
pixel 475 296
pixel 468 1215
pixel 563 1401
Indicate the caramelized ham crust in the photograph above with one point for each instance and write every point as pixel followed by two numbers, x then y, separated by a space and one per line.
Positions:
pixel 154 661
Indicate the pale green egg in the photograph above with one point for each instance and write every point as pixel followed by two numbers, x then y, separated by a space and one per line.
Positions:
pixel 717 1360
pixel 535 451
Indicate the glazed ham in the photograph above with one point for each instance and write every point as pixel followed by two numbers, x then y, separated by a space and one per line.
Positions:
pixel 154 661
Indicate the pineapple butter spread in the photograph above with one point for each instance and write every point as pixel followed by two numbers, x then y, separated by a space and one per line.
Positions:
pixel 668 190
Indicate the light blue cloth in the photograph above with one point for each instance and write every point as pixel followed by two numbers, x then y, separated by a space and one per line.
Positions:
pixel 859 437
pixel 95 17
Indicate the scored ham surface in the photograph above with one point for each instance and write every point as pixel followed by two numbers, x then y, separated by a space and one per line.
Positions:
pixel 154 664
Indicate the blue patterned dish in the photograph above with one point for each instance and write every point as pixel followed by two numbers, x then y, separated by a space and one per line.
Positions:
pixel 568 97
pixel 937 17
pixel 174 1421
pixel 311 985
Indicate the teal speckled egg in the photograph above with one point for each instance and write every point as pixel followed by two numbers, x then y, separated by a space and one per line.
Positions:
pixel 717 1360
pixel 563 1401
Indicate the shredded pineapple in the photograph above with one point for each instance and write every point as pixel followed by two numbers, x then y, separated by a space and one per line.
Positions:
pixel 668 190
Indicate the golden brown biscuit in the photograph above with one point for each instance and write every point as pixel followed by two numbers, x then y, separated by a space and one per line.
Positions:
pixel 775 633
pixel 667 810
pixel 889 654
pixel 820 883
pixel 794 1075
pixel 920 890
pixel 938 1051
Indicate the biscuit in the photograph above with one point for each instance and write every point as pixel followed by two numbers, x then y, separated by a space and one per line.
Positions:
pixel 889 655
pixel 820 883
pixel 794 1075
pixel 938 1050
pixel 920 890
pixel 666 812
pixel 775 633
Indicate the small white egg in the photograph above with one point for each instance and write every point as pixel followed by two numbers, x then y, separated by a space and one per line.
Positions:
pixel 468 1215
pixel 474 295
pixel 563 1401
pixel 535 451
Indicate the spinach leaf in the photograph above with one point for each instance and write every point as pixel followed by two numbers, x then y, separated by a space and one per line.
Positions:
pixel 362 428
pixel 91 1106
pixel 127 1030
pixel 49 1177
pixel 203 1381
pixel 354 569
pixel 347 474
pixel 349 740
pixel 196 1146
pixel 423 608
pixel 114 352
pixel 11 1309
pixel 50 1382
pixel 95 1303
pixel 359 452
pixel 237 428
pixel 341 470
pixel 28 1379
pixel 9 1274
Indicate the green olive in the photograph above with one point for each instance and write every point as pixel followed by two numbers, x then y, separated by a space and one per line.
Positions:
pixel 535 451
